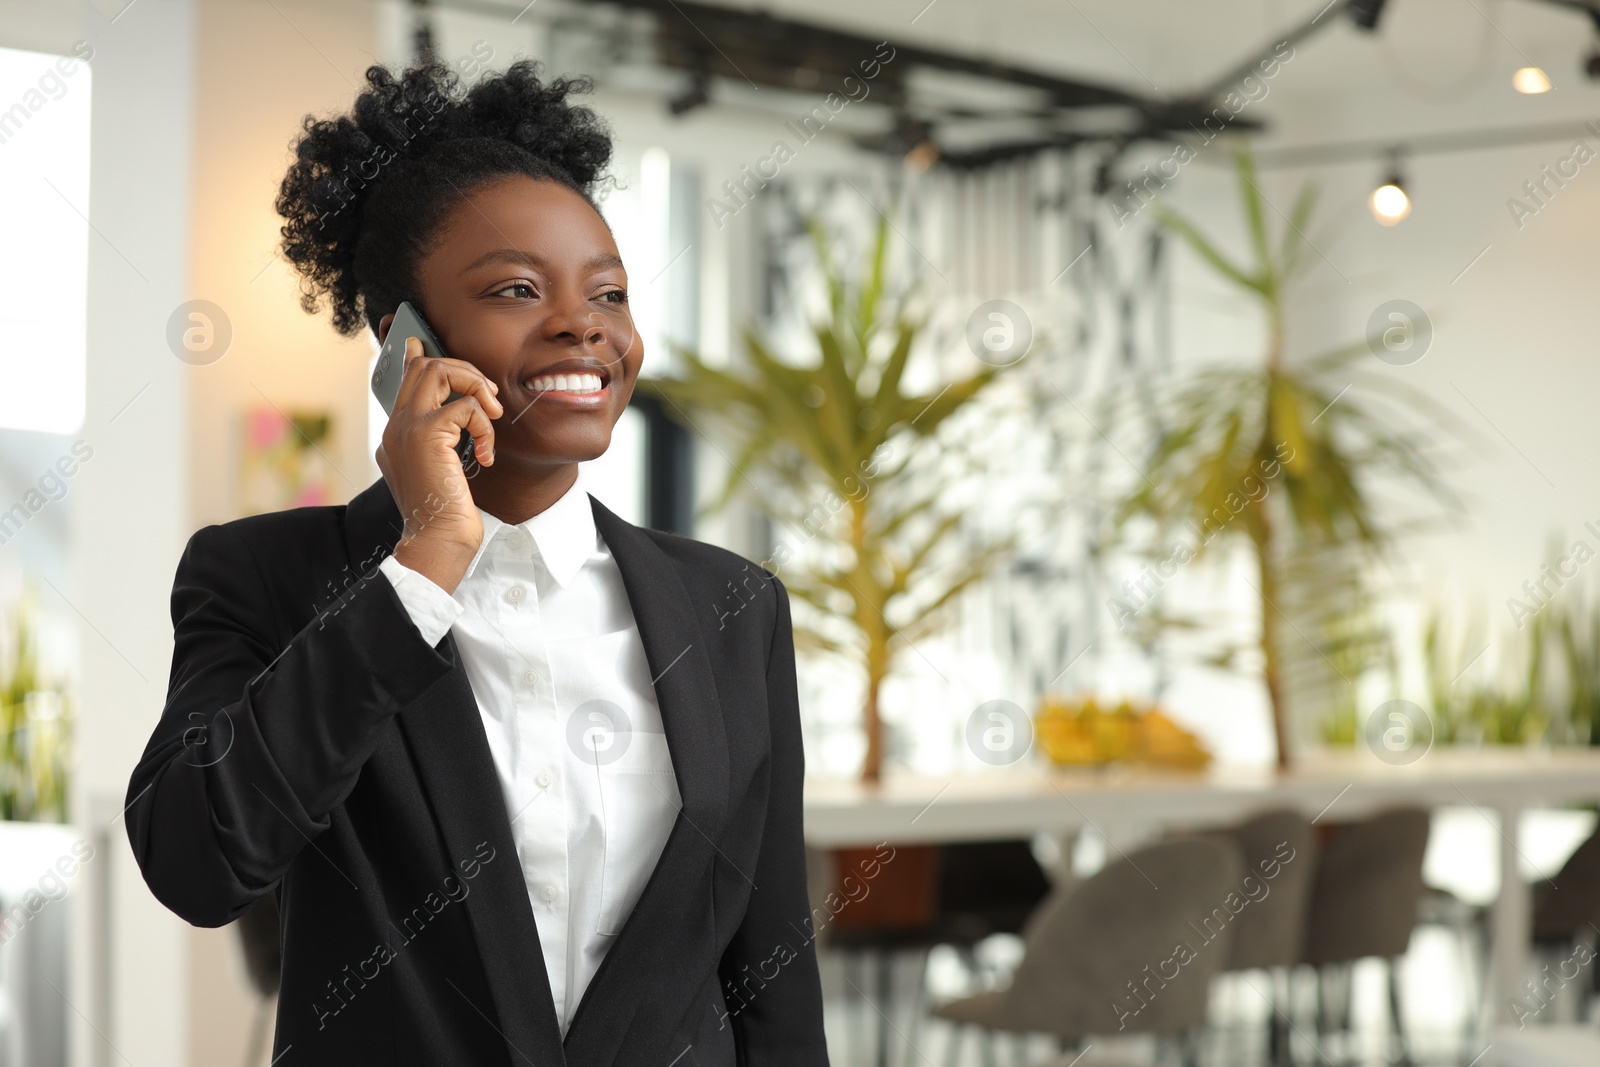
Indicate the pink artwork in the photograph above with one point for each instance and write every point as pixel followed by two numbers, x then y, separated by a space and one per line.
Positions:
pixel 283 462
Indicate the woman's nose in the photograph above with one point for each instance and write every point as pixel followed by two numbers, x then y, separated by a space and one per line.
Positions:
pixel 573 325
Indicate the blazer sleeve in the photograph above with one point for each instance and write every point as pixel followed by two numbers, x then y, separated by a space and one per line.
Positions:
pixel 782 1025
pixel 261 740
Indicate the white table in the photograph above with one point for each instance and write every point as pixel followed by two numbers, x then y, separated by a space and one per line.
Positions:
pixel 1130 805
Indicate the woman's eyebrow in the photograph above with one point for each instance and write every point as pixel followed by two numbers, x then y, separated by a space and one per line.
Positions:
pixel 603 261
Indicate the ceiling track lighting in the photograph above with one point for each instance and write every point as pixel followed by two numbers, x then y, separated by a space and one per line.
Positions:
pixel 1389 202
pixel 696 94
pixel 1366 13
pixel 1591 62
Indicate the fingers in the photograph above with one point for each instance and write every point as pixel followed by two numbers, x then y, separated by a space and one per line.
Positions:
pixel 428 382
pixel 467 413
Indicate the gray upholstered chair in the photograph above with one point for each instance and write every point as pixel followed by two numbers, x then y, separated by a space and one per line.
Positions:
pixel 1279 850
pixel 1566 913
pixel 1568 906
pixel 1364 904
pixel 1102 956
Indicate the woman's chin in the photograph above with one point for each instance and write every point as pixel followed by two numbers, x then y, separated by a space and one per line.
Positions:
pixel 553 453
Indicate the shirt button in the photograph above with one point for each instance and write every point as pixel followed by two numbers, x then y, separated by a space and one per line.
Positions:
pixel 548 892
pixel 543 778
pixel 515 594
pixel 531 677
pixel 518 540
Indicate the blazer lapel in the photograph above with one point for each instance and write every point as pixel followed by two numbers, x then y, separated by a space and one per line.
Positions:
pixel 451 751
pixel 692 717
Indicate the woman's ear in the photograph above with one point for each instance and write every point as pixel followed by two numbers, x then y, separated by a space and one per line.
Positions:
pixel 383 326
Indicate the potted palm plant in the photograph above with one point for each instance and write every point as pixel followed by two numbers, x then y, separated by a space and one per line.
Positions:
pixel 33 727
pixel 1317 434
pixel 835 447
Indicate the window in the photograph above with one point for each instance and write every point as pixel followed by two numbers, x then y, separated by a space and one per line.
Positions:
pixel 44 205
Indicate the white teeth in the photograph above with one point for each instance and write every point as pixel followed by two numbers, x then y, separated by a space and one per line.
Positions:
pixel 567 383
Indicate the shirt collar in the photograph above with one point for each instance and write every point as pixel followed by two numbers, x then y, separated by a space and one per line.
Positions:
pixel 563 534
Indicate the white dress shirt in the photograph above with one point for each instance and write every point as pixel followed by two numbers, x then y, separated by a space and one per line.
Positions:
pixel 552 651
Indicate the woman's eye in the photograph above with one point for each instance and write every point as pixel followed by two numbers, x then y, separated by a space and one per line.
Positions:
pixel 520 289
pixel 615 296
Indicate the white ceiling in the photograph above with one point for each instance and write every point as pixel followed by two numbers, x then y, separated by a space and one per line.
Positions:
pixel 1433 64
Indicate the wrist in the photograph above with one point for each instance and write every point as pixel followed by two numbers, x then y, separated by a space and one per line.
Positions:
pixel 442 563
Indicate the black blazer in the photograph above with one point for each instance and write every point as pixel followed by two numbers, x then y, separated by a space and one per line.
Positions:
pixel 315 746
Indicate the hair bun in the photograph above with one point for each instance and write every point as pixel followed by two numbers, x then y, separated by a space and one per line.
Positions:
pixel 394 125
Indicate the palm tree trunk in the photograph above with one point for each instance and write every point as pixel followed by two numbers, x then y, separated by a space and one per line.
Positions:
pixel 871 620
pixel 872 725
pixel 1267 576
pixel 1266 563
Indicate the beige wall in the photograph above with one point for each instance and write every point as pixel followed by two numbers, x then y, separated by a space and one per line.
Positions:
pixel 260 69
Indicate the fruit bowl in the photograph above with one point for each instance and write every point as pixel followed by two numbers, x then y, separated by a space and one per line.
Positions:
pixel 1084 732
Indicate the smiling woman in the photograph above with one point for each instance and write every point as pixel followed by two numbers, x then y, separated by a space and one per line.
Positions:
pixel 529 673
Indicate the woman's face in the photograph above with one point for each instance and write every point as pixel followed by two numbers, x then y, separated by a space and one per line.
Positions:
pixel 524 282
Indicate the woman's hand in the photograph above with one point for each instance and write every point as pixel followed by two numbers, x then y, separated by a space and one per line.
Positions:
pixel 419 461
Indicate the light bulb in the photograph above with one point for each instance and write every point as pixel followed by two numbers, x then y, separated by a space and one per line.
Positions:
pixel 1530 80
pixel 1389 203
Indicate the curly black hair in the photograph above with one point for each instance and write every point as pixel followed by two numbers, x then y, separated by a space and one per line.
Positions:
pixel 368 189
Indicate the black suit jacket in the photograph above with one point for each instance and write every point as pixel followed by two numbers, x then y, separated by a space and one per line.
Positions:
pixel 314 745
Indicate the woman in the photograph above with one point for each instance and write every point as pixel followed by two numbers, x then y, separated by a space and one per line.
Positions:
pixel 518 800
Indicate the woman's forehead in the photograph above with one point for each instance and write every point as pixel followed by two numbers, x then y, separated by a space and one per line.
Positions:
pixel 544 221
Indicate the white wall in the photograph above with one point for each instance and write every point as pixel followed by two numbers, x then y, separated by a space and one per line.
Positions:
pixel 131 502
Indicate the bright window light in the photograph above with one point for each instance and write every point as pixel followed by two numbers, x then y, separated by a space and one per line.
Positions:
pixel 44 260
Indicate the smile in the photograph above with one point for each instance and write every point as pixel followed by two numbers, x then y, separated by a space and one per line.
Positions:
pixel 576 384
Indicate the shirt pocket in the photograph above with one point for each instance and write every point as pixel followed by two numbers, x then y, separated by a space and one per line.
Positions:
pixel 640 801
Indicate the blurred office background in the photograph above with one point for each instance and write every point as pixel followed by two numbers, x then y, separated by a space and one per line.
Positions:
pixel 1183 571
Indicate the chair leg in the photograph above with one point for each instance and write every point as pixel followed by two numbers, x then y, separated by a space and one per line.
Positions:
pixel 885 1003
pixel 1279 1001
pixel 1319 975
pixel 1189 1048
pixel 919 1002
pixel 1395 1015
pixel 1477 982
pixel 850 961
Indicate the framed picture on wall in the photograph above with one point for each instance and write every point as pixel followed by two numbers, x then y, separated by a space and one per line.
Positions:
pixel 283 462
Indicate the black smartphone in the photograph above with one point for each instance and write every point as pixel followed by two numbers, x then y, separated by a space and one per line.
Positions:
pixel 391 366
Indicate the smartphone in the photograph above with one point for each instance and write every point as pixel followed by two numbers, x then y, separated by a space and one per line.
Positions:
pixel 391 366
